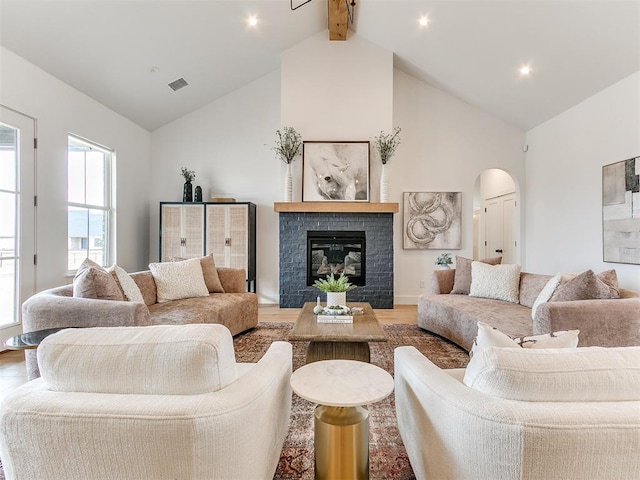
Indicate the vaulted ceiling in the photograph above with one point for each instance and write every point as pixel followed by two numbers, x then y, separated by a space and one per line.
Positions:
pixel 124 53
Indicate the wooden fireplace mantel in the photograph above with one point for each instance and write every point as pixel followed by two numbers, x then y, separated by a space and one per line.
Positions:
pixel 336 207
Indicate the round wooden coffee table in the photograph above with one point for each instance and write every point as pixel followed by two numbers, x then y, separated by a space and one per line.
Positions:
pixel 341 435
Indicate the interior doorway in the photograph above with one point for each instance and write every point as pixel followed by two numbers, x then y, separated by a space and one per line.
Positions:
pixel 496 217
pixel 17 211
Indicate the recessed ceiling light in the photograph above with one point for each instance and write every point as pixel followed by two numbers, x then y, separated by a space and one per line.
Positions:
pixel 154 69
pixel 424 21
pixel 525 70
pixel 252 21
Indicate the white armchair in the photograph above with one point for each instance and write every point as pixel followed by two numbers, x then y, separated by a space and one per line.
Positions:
pixel 453 431
pixel 147 403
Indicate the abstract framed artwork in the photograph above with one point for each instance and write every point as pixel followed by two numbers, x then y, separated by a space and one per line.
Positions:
pixel 335 171
pixel 432 220
pixel 621 212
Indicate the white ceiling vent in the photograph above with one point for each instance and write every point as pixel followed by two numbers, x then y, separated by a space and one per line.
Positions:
pixel 178 84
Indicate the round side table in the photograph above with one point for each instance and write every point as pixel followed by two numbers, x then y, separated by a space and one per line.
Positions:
pixel 341 435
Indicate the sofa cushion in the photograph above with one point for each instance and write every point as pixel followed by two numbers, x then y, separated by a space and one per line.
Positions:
pixel 500 282
pixel 129 288
pixel 93 281
pixel 590 374
pixel 545 294
pixel 176 280
pixel 588 286
pixel 462 280
pixel 153 360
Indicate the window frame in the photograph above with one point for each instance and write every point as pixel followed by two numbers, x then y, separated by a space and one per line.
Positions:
pixel 109 200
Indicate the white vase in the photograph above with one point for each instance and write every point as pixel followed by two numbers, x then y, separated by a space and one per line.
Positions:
pixel 288 185
pixel 384 185
pixel 336 298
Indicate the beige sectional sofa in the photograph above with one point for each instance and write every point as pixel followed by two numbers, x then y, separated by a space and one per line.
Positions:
pixel 607 323
pixel 57 307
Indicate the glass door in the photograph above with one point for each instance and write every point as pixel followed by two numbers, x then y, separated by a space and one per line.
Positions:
pixel 17 218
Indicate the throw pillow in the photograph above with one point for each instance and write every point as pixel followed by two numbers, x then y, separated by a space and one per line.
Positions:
pixel 176 280
pixel 546 293
pixel 499 282
pixel 129 287
pixel 462 276
pixel 209 271
pixel 93 281
pixel 588 286
pixel 489 336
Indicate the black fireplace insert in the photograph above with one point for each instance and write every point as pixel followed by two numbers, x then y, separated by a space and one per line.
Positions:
pixel 336 252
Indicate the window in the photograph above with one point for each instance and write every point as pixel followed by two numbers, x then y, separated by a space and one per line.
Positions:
pixel 89 203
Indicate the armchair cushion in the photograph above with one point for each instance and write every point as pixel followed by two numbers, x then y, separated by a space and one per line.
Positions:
pixel 153 360
pixel 591 374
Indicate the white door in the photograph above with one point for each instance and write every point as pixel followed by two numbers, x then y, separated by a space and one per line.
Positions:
pixel 17 218
pixel 501 232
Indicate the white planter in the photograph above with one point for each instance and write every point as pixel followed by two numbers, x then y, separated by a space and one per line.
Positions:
pixel 288 185
pixel 384 185
pixel 336 298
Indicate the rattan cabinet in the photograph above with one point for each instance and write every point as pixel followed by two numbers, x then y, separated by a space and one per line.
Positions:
pixel 226 230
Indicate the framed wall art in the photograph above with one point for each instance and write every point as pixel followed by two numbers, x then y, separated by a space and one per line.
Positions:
pixel 621 212
pixel 432 220
pixel 335 171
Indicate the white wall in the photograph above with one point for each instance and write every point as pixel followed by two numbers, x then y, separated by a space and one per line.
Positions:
pixel 337 91
pixel 446 144
pixel 564 180
pixel 60 110
pixel 228 144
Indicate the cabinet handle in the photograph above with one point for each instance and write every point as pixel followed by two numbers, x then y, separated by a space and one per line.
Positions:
pixel 183 242
pixel 227 242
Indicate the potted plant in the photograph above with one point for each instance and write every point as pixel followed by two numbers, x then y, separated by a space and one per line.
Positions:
pixel 287 146
pixel 444 260
pixel 335 288
pixel 386 144
pixel 187 189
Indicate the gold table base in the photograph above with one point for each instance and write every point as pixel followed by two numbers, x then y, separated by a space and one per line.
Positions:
pixel 341 443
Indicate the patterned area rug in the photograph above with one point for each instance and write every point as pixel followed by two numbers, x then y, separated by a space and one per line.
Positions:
pixel 388 458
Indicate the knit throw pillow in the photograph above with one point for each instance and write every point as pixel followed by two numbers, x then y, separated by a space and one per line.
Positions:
pixel 498 282
pixel 462 277
pixel 177 280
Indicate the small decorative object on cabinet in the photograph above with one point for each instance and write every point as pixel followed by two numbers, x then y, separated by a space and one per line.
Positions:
pixel 198 196
pixel 386 144
pixel 226 230
pixel 187 188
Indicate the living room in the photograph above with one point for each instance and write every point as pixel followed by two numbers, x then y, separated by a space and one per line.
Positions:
pixel 351 90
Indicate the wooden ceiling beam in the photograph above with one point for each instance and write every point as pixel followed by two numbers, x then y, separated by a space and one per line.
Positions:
pixel 338 19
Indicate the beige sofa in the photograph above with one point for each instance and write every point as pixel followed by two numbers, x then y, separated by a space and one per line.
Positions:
pixel 606 323
pixel 57 307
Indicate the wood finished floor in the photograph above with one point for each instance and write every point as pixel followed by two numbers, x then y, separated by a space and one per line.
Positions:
pixel 13 371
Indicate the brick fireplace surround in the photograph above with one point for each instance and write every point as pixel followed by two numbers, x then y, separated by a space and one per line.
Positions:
pixel 375 219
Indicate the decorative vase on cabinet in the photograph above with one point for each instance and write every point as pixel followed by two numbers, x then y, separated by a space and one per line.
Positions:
pixel 187 192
